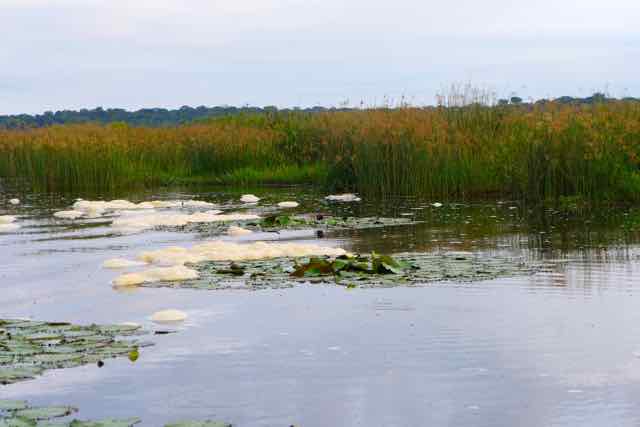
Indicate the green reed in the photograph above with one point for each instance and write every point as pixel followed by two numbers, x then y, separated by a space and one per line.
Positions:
pixel 530 152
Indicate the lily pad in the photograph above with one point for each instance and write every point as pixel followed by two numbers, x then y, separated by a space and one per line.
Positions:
pixel 403 269
pixel 105 423
pixel 17 422
pixel 27 348
pixel 199 424
pixel 12 405
pixel 45 412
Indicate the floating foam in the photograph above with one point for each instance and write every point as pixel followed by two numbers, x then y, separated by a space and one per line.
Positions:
pixel 14 201
pixel 249 198
pixel 238 231
pixel 219 250
pixel 7 219
pixel 6 228
pixel 167 316
pixel 288 204
pixel 161 274
pixel 117 263
pixel 74 214
pixel 146 221
pixel 347 197
pixel 436 204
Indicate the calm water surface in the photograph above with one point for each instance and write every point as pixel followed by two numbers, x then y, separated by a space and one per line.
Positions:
pixel 559 348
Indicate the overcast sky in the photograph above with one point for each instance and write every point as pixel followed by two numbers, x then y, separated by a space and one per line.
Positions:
pixel 69 54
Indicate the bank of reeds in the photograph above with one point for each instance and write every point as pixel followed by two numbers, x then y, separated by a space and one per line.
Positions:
pixel 532 152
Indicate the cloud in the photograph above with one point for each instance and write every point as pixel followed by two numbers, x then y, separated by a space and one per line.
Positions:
pixel 72 53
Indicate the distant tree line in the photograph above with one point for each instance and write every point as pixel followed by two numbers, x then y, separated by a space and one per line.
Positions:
pixel 156 117
pixel 162 117
pixel 596 98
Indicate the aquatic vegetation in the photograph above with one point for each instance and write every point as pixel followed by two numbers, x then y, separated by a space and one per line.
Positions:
pixel 28 348
pixel 169 316
pixel 402 269
pixel 329 222
pixel 347 197
pixel 18 413
pixel 535 152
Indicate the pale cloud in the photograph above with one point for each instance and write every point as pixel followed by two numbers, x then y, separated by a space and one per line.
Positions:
pixel 76 53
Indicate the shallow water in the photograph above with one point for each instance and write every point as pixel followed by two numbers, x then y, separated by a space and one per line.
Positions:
pixel 559 348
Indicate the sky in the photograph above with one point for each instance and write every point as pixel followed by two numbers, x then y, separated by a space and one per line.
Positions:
pixel 71 54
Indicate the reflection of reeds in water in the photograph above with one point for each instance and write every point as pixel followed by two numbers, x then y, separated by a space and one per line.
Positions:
pixel 458 151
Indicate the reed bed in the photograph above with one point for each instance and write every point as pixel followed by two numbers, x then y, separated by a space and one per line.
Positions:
pixel 531 152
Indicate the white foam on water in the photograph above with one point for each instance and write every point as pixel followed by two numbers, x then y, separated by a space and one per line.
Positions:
pixel 168 316
pixel 288 204
pixel 347 197
pixel 249 198
pixel 161 274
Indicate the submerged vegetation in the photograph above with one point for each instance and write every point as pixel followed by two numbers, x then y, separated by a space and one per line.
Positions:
pixel 534 152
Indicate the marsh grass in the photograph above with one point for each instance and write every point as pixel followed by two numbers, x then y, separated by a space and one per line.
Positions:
pixel 458 151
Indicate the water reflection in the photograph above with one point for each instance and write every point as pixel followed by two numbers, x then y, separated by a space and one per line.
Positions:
pixel 556 348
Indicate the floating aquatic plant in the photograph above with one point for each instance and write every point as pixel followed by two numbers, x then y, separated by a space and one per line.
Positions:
pixel 28 348
pixel 329 222
pixel 18 413
pixel 374 270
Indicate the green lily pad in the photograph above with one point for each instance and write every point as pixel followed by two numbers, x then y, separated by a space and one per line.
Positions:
pixel 12 405
pixel 199 424
pixel 45 412
pixel 17 422
pixel 27 348
pixel 105 423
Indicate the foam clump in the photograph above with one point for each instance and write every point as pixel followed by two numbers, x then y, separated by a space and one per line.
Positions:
pixel 7 223
pixel 249 198
pixel 7 219
pixel 161 274
pixel 436 204
pixel 347 197
pixel 288 204
pixel 97 208
pixel 146 221
pixel 73 214
pixel 238 231
pixel 118 263
pixel 167 316
pixel 6 228
pixel 219 250
pixel 14 201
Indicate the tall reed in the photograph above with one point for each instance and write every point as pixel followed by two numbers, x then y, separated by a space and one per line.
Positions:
pixel 458 151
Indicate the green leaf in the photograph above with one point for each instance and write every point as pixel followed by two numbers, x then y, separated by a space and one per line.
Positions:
pixel 12 405
pixel 106 423
pixel 45 412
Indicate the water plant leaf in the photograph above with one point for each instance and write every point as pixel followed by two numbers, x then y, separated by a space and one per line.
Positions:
pixel 45 412
pixel 12 405
pixel 130 422
pixel 199 424
pixel 28 347
pixel 17 422
pixel 134 355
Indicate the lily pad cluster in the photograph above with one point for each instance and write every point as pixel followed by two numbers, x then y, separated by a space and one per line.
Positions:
pixel 29 348
pixel 329 222
pixel 18 413
pixel 373 270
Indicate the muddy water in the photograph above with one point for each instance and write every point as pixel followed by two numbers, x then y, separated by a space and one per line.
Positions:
pixel 559 348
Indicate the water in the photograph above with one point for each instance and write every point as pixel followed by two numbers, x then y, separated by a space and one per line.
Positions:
pixel 559 348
